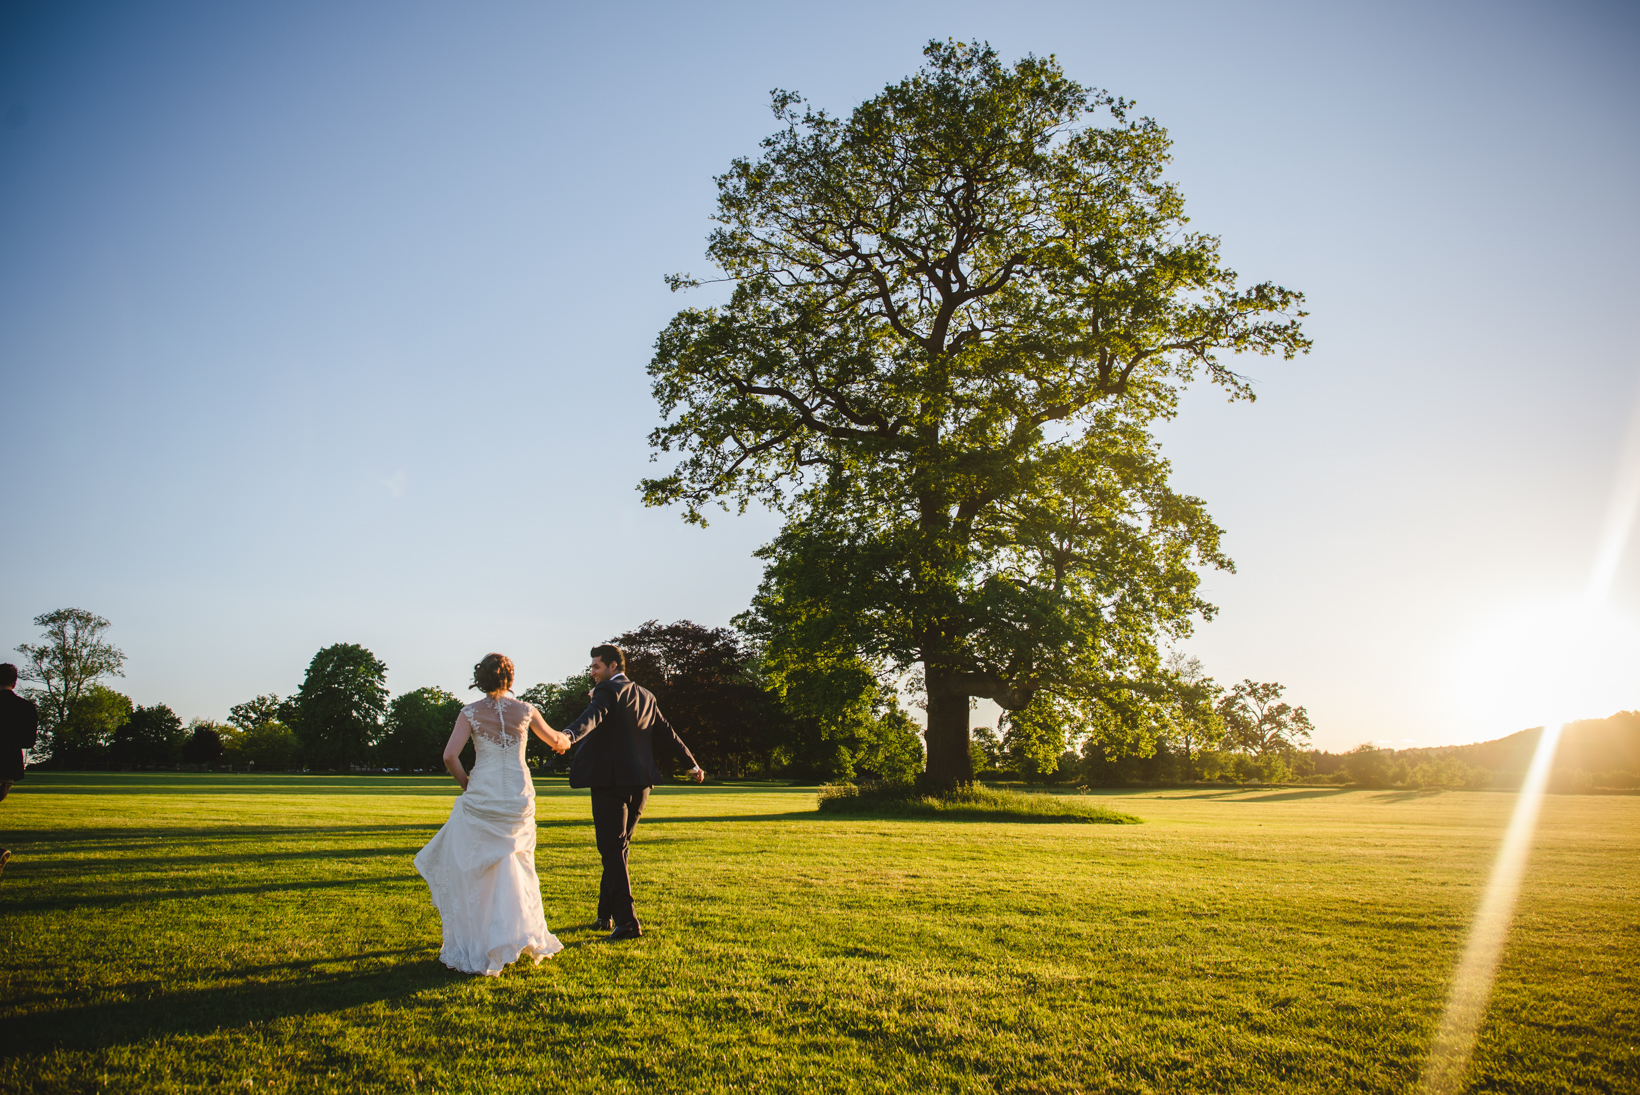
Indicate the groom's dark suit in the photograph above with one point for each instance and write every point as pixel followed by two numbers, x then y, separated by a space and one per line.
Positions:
pixel 618 763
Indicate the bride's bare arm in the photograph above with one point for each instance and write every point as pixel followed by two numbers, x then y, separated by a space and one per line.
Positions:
pixel 558 742
pixel 452 750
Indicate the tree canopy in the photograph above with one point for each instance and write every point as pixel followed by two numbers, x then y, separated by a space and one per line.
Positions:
pixel 704 679
pixel 955 313
pixel 71 657
pixel 82 740
pixel 152 737
pixel 1256 719
pixel 418 725
pixel 339 708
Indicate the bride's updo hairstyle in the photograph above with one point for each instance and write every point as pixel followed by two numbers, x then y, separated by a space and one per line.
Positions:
pixel 494 673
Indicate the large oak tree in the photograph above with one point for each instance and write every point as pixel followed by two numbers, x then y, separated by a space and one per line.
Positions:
pixel 955 313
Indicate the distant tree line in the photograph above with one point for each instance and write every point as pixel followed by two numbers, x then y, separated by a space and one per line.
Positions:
pixel 1186 728
pixel 838 722
pixel 747 713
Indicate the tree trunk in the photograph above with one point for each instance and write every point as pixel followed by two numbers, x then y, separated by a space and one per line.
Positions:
pixel 949 762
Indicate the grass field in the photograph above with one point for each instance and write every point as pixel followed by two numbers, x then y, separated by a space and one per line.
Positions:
pixel 238 933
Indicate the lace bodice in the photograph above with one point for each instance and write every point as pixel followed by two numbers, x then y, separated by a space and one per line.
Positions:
pixel 498 725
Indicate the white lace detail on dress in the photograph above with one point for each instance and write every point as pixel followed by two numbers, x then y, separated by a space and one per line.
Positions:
pixel 499 734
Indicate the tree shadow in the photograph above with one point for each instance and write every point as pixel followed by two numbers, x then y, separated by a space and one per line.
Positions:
pixel 794 815
pixel 53 869
pixel 1219 793
pixel 133 897
pixel 312 990
pixel 1408 796
pixel 1289 796
pixel 130 838
pixel 1257 796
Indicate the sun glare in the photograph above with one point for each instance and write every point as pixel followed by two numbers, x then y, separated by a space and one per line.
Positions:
pixel 1550 663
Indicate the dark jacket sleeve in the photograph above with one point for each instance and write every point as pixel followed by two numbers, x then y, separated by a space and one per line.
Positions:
pixel 662 731
pixel 19 722
pixel 603 701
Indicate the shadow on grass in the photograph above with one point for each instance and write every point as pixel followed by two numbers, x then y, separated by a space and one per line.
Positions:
pixel 122 838
pixel 1290 796
pixel 1408 796
pixel 137 897
pixel 1272 796
pixel 321 783
pixel 794 815
pixel 967 817
pixel 201 1010
pixel 49 868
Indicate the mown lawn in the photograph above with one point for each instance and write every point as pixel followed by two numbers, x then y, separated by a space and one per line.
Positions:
pixel 167 933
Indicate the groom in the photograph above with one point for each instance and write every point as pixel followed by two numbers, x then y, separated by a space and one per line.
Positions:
pixel 618 763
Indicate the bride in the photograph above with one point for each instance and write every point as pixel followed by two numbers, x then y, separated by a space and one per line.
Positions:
pixel 480 866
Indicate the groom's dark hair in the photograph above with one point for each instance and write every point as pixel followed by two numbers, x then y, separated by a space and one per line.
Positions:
pixel 611 655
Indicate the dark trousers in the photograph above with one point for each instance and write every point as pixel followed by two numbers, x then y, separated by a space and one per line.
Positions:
pixel 615 814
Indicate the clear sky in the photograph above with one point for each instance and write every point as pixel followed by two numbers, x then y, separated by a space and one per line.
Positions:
pixel 327 322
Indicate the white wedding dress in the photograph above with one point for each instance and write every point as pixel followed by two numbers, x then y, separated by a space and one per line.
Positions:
pixel 480 866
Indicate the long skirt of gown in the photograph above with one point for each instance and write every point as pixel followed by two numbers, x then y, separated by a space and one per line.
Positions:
pixel 480 869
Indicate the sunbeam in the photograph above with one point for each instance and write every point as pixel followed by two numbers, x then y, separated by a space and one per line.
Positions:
pixel 1582 652
pixel 1472 985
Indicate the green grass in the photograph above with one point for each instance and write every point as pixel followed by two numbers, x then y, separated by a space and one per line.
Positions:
pixel 168 933
pixel 974 803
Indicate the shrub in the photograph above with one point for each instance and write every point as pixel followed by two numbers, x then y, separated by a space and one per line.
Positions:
pixel 1570 781
pixel 1447 771
pixel 973 802
pixel 204 744
pixel 268 747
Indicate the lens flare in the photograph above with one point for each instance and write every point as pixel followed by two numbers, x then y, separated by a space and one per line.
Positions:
pixel 1472 984
pixel 1548 665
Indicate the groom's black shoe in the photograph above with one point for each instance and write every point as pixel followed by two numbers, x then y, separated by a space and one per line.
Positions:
pixel 625 931
pixel 606 924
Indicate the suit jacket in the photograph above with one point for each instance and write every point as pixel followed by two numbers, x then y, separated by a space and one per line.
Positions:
pixel 19 730
pixel 622 727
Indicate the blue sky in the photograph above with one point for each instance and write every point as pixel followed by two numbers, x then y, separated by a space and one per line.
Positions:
pixel 328 322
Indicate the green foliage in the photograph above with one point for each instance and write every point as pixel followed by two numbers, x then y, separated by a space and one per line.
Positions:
pixel 1449 772
pixel 955 313
pixel 263 739
pixel 971 802
pixel 151 738
pixel 836 718
pixel 985 748
pixel 267 746
pixel 418 725
pixel 1192 721
pixel 1102 767
pixel 1231 766
pixel 706 682
pixel 204 743
pixel 1371 766
pixel 1256 721
pixel 339 708
pixel 261 711
pixel 71 657
pixel 84 738
pixel 559 704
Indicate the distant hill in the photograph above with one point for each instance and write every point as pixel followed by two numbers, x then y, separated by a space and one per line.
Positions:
pixel 1592 745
